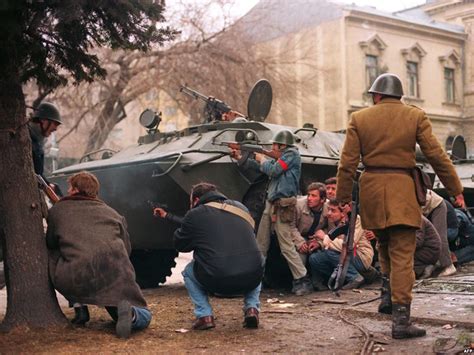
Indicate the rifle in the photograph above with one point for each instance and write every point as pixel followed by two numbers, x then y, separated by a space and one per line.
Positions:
pixel 214 106
pixel 339 274
pixel 253 148
pixel 47 189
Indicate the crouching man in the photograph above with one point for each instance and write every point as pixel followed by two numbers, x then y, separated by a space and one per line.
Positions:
pixel 89 257
pixel 226 261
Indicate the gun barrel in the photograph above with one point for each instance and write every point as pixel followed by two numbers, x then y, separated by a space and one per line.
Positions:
pixel 193 93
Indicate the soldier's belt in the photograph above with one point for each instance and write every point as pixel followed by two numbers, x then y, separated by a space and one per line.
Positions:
pixel 384 170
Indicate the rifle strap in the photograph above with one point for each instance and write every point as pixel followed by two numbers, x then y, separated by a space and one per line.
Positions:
pixel 233 209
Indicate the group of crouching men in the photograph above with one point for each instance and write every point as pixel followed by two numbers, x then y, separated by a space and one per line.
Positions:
pixel 446 237
pixel 89 254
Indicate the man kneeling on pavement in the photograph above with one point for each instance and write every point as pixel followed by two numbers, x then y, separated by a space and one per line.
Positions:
pixel 226 258
pixel 324 262
pixel 89 257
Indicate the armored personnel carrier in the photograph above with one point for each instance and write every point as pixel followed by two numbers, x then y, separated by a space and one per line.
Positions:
pixel 162 167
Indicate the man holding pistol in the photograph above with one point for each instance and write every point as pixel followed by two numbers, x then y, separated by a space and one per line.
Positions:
pixel 226 259
pixel 384 136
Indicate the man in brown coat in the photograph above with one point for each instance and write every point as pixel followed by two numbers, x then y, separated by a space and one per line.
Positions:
pixel 384 136
pixel 89 257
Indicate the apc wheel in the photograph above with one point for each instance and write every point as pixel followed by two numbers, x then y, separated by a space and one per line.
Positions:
pixel 152 266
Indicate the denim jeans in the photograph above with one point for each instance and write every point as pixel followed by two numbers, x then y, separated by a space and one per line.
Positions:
pixel 142 317
pixel 325 261
pixel 358 264
pixel 199 294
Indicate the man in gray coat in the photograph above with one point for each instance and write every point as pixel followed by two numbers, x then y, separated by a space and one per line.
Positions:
pixel 89 257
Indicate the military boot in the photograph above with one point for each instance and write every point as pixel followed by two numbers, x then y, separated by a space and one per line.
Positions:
pixel 318 282
pixel 81 315
pixel 302 286
pixel 401 325
pixel 385 305
pixel 370 275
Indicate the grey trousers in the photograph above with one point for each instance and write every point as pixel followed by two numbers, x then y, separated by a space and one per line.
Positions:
pixel 283 232
pixel 439 219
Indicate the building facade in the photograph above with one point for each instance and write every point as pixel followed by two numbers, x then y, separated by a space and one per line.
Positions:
pixel 335 58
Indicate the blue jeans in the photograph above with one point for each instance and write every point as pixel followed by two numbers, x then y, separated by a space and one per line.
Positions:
pixel 325 261
pixel 199 294
pixel 142 317
pixel 358 264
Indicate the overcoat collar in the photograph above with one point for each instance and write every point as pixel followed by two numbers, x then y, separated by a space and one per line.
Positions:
pixel 389 101
pixel 79 198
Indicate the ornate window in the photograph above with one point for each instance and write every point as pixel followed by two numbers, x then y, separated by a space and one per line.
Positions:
pixel 373 49
pixel 412 75
pixel 451 63
pixel 413 57
pixel 449 87
pixel 371 69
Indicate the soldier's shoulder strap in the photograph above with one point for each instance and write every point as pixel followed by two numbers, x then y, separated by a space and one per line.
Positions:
pixel 233 209
pixel 419 108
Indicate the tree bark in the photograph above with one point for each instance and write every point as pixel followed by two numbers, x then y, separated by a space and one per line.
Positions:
pixel 31 300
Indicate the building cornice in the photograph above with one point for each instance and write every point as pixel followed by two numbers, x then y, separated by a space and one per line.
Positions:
pixel 437 7
pixel 403 24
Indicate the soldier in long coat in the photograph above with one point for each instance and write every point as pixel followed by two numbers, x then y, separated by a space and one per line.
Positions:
pixel 384 136
pixel 89 257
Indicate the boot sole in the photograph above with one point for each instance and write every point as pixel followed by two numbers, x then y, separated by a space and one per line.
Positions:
pixel 124 321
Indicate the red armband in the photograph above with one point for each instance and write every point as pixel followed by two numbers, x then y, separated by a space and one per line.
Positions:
pixel 283 165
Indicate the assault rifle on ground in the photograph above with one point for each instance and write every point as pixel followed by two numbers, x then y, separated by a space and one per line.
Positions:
pixel 214 107
pixel 336 281
pixel 48 190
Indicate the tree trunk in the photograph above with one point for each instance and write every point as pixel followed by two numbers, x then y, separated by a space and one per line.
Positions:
pixel 31 300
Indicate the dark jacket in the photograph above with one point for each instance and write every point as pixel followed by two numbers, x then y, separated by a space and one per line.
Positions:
pixel 428 244
pixel 37 145
pixel 452 219
pixel 227 259
pixel 89 253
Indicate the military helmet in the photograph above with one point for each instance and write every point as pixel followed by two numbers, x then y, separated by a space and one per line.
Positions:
pixel 284 137
pixel 387 84
pixel 48 111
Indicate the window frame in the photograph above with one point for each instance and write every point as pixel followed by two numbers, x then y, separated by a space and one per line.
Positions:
pixel 368 68
pixel 413 86
pixel 449 82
